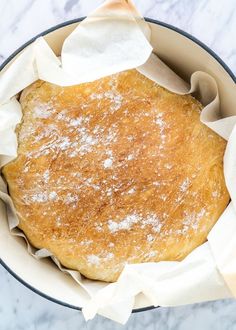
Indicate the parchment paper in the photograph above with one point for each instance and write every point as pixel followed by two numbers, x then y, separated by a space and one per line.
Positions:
pixel 112 39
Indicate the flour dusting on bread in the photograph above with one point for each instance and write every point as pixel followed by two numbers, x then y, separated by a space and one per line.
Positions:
pixel 113 172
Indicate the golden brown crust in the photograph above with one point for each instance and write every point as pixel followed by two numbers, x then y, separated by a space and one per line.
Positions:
pixel 116 171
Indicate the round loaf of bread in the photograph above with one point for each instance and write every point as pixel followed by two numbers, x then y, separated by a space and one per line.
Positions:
pixel 114 172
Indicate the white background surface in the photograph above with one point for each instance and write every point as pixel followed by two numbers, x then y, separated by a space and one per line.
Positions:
pixel 211 21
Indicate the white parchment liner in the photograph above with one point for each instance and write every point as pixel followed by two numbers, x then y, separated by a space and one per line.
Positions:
pixel 112 39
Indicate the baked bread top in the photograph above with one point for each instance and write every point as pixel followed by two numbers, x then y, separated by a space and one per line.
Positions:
pixel 115 171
